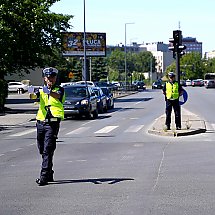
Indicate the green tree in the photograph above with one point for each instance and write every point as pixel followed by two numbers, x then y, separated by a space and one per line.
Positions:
pixel 30 35
pixel 192 66
pixel 99 68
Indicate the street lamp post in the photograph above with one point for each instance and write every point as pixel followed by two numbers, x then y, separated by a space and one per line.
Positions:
pixel 126 53
pixel 84 75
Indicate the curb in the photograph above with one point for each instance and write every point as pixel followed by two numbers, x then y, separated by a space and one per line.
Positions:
pixel 177 133
pixel 191 125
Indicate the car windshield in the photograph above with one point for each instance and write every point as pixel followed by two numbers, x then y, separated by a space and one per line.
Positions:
pixel 96 91
pixel 76 92
pixel 105 91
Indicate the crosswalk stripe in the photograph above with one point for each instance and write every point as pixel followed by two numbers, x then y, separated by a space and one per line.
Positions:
pixel 106 129
pixel 134 128
pixel 78 130
pixel 213 125
pixel 23 133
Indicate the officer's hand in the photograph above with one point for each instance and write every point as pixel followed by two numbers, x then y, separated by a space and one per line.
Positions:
pixel 46 90
pixel 31 89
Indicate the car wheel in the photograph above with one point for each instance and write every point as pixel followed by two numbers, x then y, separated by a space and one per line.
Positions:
pixel 105 109
pixel 95 114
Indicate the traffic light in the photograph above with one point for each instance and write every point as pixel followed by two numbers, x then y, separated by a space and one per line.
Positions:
pixel 172 46
pixel 176 44
pixel 177 37
pixel 181 50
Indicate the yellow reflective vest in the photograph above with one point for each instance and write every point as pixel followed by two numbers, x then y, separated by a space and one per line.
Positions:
pixel 172 90
pixel 55 106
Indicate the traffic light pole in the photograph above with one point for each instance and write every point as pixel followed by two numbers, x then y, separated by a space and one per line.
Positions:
pixel 178 74
pixel 177 48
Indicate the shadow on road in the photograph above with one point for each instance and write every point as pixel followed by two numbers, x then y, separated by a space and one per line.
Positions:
pixel 93 180
pixel 132 99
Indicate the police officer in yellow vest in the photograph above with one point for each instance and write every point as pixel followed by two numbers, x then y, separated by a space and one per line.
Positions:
pixel 49 115
pixel 172 90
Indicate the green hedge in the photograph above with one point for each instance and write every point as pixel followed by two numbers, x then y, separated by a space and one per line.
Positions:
pixel 3 94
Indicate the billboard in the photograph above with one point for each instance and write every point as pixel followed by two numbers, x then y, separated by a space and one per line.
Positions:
pixel 73 44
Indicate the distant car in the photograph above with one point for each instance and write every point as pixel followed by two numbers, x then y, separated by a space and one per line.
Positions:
pixel 18 87
pixel 139 85
pixel 188 82
pixel 109 95
pixel 67 83
pixel 86 83
pixel 183 83
pixel 101 100
pixel 210 84
pixel 197 83
pixel 157 85
pixel 80 100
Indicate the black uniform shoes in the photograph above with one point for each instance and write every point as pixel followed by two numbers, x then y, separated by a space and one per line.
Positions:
pixel 41 182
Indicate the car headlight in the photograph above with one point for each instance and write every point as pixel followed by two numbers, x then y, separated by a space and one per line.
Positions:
pixel 85 102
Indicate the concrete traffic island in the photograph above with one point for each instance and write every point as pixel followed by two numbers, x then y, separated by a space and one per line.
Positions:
pixel 191 124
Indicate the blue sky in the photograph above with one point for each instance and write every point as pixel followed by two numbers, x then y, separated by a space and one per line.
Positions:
pixel 154 20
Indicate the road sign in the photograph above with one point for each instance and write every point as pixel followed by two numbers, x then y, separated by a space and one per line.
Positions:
pixel 70 75
pixel 183 98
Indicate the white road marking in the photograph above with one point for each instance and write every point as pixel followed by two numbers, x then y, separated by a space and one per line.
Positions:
pixel 213 125
pixel 15 150
pixel 106 129
pixel 134 128
pixel 137 103
pixel 78 130
pixel 1 155
pixel 23 133
pixel 81 160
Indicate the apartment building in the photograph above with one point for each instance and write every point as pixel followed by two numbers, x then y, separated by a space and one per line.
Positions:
pixel 192 45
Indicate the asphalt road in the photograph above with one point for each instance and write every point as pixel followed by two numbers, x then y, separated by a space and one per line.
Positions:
pixel 113 166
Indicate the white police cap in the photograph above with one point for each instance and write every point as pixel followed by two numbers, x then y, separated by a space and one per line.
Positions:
pixel 171 74
pixel 50 71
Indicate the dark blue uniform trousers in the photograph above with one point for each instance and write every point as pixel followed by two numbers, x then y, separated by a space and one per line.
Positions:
pixel 176 106
pixel 46 141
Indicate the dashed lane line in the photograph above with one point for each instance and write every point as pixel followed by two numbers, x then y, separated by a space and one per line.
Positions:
pixel 15 150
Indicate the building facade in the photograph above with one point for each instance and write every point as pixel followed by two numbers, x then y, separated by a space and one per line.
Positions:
pixel 209 55
pixel 192 45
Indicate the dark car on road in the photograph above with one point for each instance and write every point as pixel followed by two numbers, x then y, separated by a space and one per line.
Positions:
pixel 210 84
pixel 109 95
pixel 157 85
pixel 139 85
pixel 80 100
pixel 101 100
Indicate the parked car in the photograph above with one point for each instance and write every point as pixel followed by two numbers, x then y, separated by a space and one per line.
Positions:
pixel 18 87
pixel 183 83
pixel 197 82
pixel 188 82
pixel 139 85
pixel 157 85
pixel 101 100
pixel 86 83
pixel 80 100
pixel 109 95
pixel 210 84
